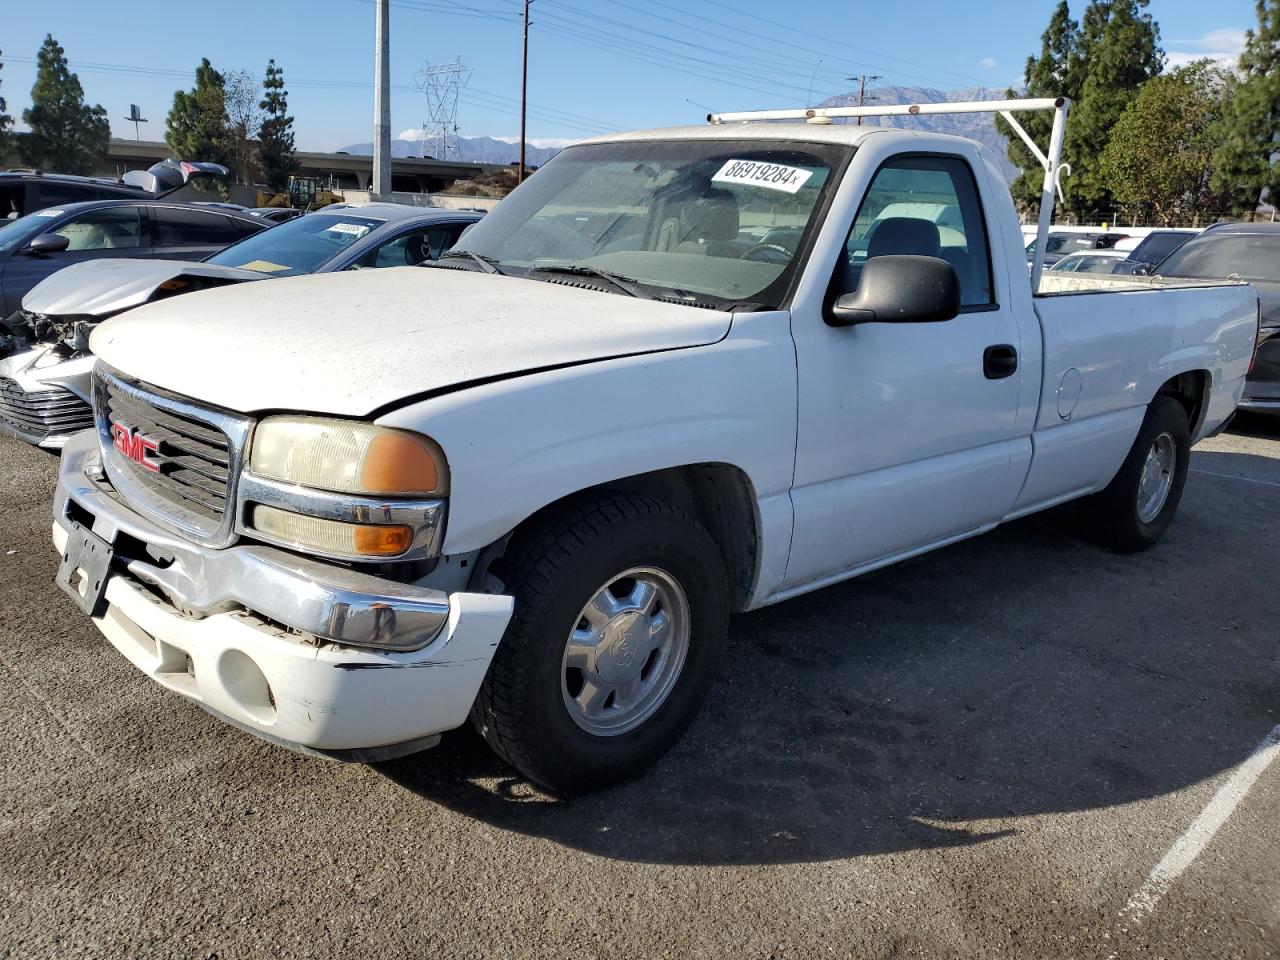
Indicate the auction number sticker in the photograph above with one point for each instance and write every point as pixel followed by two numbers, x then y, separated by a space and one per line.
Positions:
pixel 355 229
pixel 771 176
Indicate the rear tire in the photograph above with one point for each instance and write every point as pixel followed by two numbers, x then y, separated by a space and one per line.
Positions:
pixel 1136 508
pixel 621 608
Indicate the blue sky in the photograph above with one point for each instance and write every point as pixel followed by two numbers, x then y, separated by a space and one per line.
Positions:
pixel 595 65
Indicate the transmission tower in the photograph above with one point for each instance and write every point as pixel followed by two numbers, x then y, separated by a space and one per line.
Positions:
pixel 441 84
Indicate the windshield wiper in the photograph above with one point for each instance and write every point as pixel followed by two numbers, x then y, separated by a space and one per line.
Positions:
pixel 487 264
pixel 625 284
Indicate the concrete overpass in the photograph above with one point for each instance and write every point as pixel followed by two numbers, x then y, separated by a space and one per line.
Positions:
pixel 349 171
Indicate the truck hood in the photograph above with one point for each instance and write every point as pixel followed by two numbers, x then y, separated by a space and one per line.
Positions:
pixel 353 342
pixel 99 288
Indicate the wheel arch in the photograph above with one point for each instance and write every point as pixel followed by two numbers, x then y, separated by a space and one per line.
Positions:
pixel 1191 389
pixel 719 495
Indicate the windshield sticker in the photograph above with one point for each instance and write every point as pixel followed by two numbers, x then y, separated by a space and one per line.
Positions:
pixel 49 213
pixel 770 176
pixel 355 229
pixel 263 266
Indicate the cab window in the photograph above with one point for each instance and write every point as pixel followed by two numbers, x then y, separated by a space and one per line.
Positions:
pixel 924 206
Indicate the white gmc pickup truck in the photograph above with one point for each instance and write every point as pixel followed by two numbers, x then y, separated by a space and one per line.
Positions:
pixel 675 375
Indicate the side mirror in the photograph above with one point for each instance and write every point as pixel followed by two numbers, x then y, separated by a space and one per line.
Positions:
pixel 1143 270
pixel 900 289
pixel 47 243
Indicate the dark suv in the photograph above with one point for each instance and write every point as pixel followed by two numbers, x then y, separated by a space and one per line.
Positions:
pixel 25 191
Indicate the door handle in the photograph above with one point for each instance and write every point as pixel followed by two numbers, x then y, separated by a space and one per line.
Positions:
pixel 999 361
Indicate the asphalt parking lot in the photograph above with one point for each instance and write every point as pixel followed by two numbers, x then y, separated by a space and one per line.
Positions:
pixel 985 752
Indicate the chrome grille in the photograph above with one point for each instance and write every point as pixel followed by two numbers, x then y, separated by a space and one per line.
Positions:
pixel 197 454
pixel 42 415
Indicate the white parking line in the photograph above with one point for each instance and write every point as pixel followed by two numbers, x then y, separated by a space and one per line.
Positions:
pixel 1232 476
pixel 1202 829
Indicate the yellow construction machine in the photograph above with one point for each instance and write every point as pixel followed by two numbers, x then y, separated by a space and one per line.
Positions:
pixel 303 193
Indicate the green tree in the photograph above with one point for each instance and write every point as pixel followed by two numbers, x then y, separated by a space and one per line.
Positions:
pixel 275 136
pixel 1117 51
pixel 6 122
pixel 1159 159
pixel 1246 160
pixel 197 126
pixel 67 135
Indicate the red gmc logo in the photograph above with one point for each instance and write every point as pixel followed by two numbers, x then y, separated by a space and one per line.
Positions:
pixel 135 445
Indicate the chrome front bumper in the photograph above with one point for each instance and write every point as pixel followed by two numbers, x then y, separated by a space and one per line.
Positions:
pixel 297 651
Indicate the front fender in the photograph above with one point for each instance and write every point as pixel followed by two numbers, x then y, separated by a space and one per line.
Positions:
pixel 517 445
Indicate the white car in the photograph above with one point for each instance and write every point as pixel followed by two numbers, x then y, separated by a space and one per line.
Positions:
pixel 675 375
pixel 1092 261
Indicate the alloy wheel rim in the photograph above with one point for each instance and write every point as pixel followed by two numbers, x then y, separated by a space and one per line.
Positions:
pixel 625 651
pixel 1157 477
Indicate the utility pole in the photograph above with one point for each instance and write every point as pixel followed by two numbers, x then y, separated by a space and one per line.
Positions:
pixel 524 88
pixel 862 89
pixel 382 103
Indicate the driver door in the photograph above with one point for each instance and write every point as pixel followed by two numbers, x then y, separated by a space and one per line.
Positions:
pixel 907 433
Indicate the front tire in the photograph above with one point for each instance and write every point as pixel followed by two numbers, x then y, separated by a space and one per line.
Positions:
pixel 1136 508
pixel 621 609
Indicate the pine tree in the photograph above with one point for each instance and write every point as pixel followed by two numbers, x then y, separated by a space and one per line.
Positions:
pixel 1117 51
pixel 197 125
pixel 275 137
pixel 6 122
pixel 1246 160
pixel 67 135
pixel 1048 75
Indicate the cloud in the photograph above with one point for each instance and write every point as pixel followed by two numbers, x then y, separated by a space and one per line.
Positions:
pixel 1221 46
pixel 988 63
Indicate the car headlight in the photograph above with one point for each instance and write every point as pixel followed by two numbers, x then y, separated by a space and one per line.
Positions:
pixel 345 489
pixel 347 456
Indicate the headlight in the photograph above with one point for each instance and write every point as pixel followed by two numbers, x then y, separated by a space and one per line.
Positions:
pixel 348 457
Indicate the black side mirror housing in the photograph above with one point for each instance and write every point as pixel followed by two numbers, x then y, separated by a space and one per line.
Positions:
pixel 47 243
pixel 1144 270
pixel 900 289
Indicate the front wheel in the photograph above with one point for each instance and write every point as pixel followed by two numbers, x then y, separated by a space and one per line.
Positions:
pixel 1136 508
pixel 621 609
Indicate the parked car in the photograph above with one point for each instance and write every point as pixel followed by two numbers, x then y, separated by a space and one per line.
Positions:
pixel 275 214
pixel 45 377
pixel 40 244
pixel 26 191
pixel 1091 261
pixel 1059 244
pixel 1245 251
pixel 673 375
pixel 1148 251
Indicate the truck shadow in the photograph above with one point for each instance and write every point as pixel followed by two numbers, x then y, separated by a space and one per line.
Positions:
pixel 929 705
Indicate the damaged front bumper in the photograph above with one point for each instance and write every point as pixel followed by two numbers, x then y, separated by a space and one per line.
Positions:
pixel 280 645
pixel 44 398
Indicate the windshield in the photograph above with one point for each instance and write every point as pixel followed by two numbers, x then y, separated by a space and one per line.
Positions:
pixel 709 220
pixel 14 233
pixel 303 245
pixel 1216 256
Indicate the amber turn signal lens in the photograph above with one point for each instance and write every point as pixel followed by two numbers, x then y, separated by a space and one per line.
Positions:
pixel 395 461
pixel 382 541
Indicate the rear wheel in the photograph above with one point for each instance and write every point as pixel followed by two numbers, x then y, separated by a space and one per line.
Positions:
pixel 1136 508
pixel 621 609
